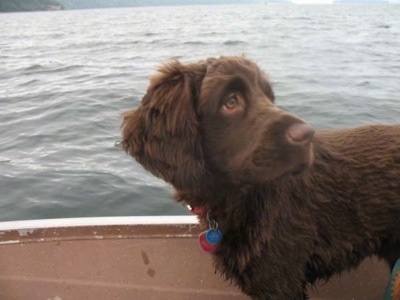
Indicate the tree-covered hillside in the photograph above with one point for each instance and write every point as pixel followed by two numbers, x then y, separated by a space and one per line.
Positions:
pixel 29 5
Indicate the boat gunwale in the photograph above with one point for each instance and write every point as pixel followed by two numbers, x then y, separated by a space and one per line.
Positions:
pixel 97 221
pixel 98 228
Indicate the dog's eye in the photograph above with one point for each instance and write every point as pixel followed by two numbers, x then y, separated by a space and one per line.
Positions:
pixel 231 102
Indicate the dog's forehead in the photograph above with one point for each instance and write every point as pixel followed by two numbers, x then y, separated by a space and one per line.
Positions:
pixel 231 66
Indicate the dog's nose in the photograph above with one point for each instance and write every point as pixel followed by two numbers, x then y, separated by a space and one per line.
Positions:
pixel 300 133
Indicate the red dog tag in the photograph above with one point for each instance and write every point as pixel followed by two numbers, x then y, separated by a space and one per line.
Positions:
pixel 210 239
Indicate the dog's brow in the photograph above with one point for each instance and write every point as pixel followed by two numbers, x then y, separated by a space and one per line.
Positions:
pixel 237 83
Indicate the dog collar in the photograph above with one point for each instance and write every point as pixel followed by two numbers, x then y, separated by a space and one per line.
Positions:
pixel 197 210
pixel 211 238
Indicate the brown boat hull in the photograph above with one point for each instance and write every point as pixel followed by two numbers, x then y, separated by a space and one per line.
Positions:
pixel 133 258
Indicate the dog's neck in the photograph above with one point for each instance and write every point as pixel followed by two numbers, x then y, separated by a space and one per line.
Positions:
pixel 207 200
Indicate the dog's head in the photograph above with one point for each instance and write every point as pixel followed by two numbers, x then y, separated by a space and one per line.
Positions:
pixel 215 118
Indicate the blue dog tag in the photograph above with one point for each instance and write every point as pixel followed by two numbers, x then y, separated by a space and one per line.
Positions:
pixel 213 236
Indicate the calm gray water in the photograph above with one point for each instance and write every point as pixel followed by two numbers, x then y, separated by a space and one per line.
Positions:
pixel 65 78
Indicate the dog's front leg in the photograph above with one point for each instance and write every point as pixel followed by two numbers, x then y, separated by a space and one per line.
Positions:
pixel 263 281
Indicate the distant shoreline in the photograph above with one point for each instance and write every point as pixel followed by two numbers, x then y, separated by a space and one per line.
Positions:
pixel 57 5
pixel 29 5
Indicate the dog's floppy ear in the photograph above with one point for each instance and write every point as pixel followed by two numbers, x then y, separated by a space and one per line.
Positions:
pixel 163 134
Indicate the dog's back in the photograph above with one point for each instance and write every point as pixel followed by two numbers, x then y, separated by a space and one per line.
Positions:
pixel 355 184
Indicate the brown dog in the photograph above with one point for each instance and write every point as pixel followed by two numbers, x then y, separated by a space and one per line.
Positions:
pixel 294 206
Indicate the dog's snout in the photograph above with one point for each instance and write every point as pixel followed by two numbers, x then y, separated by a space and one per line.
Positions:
pixel 300 133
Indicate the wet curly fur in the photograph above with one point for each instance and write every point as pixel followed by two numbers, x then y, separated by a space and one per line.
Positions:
pixel 294 206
